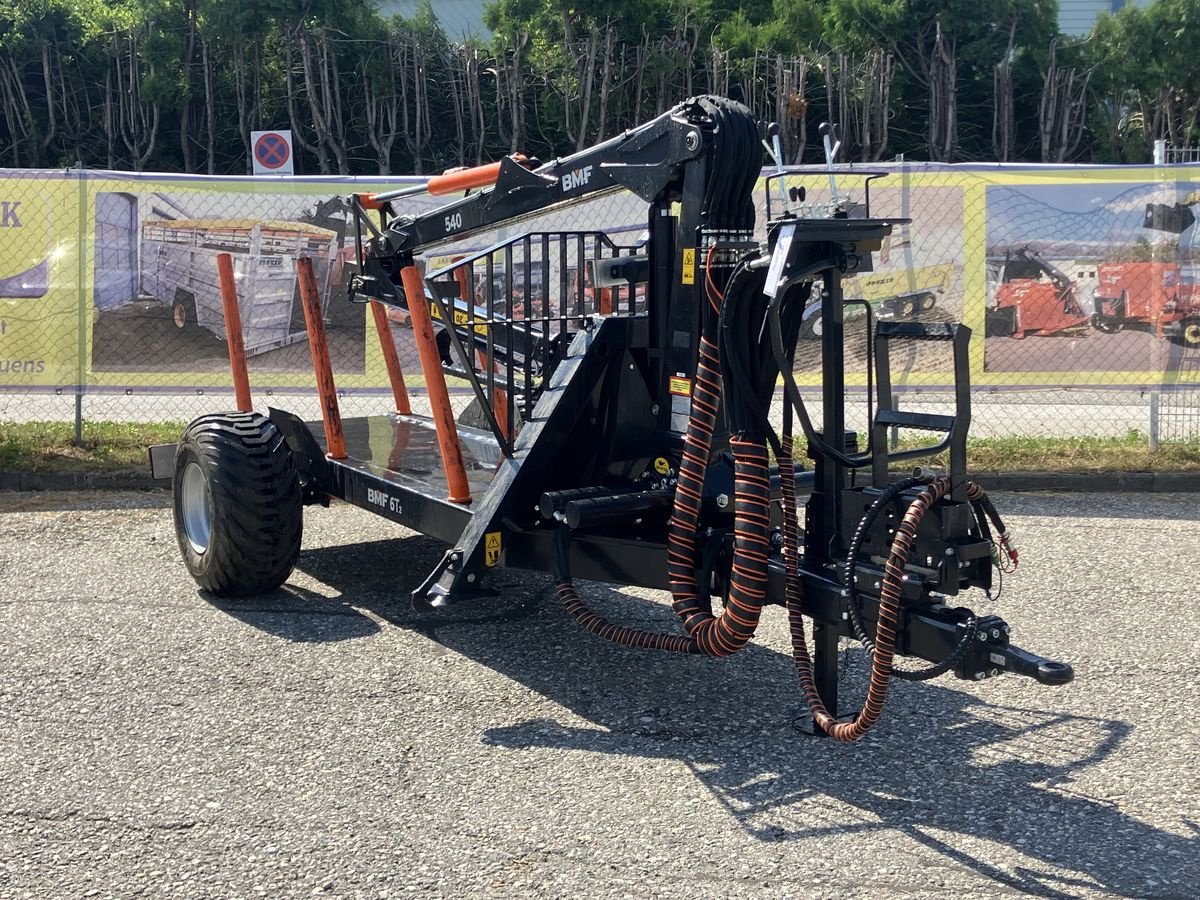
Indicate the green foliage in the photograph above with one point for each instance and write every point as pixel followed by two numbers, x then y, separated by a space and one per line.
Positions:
pixel 63 54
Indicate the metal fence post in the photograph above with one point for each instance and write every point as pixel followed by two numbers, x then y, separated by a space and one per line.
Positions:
pixel 1154 423
pixel 82 322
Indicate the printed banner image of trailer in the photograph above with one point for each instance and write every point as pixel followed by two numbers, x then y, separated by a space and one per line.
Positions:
pixel 179 268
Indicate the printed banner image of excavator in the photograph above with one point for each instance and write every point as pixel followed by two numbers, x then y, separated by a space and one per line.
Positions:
pixel 1034 296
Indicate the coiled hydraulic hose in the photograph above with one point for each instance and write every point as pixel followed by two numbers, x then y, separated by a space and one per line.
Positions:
pixel 709 634
pixel 888 494
pixel 889 606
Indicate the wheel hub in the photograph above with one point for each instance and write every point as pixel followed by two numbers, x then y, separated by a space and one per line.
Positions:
pixel 195 503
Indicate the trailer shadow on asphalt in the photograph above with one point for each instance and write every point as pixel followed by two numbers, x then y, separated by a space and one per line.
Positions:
pixel 949 771
pixel 297 615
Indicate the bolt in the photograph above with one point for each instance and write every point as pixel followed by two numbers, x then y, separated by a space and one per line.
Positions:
pixel 981 636
pixel 722 500
pixel 949 551
pixel 692 141
pixel 845 616
pixel 470 578
pixel 1007 629
pixel 877 585
pixel 845 593
pixel 929 560
pixel 979 676
pixel 994 673
pixel 654 409
pixel 995 634
pixel 455 555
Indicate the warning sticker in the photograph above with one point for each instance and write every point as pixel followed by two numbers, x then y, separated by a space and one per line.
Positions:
pixel 681 386
pixel 689 265
pixel 491 548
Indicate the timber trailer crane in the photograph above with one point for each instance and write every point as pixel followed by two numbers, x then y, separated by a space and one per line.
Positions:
pixel 634 446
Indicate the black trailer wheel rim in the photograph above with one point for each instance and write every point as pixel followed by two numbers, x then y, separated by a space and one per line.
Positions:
pixel 195 503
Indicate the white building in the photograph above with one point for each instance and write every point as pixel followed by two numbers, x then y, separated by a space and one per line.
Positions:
pixel 464 18
pixel 460 18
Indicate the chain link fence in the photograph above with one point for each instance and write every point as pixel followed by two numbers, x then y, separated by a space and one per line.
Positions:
pixel 1079 283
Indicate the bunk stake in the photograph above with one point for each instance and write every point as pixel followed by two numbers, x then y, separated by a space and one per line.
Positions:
pixel 390 358
pixel 435 386
pixel 314 322
pixel 233 332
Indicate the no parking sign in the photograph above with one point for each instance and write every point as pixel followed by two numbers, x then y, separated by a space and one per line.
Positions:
pixel 272 152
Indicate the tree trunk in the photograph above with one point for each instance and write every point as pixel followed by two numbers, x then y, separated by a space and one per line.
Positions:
pixel 48 78
pixel 605 82
pixel 1003 117
pixel 588 79
pixel 943 97
pixel 210 110
pixel 185 108
pixel 316 149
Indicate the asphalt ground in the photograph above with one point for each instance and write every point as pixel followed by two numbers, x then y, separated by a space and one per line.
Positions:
pixel 325 740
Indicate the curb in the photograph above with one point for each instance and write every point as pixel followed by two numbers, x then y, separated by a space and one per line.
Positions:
pixel 1086 483
pixel 79 481
pixel 1091 482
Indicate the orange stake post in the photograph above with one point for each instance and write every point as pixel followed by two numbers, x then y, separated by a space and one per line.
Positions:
pixel 435 386
pixel 233 332
pixel 335 441
pixel 390 358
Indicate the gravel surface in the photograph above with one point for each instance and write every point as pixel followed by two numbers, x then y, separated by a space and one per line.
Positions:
pixel 327 741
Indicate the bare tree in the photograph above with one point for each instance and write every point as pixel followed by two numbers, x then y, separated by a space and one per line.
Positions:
pixel 317 147
pixel 876 86
pixel 382 107
pixel 137 119
pixel 942 77
pixel 415 123
pixel 1062 113
pixel 16 104
pixel 1003 119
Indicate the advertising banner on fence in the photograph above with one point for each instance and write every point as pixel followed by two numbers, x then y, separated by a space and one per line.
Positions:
pixel 157 320
pixel 1068 276
pixel 1092 277
pixel 39 280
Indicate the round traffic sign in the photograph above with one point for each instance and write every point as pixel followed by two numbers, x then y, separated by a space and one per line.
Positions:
pixel 272 151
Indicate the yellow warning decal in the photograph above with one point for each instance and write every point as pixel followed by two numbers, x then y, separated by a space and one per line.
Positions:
pixel 677 385
pixel 662 465
pixel 491 548
pixel 689 265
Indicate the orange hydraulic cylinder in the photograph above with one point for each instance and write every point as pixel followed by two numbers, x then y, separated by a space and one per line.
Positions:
pixel 314 321
pixel 233 332
pixel 465 179
pixel 390 359
pixel 435 386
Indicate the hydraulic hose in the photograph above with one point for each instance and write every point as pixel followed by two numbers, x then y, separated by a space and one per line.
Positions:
pixel 889 607
pixel 596 624
pixel 852 604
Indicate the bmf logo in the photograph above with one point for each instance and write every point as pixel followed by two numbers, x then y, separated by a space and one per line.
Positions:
pixel 8 214
pixel 576 179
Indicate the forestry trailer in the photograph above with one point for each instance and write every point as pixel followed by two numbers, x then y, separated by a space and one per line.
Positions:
pixel 635 446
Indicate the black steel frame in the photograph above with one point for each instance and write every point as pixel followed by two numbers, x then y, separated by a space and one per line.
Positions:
pixel 601 406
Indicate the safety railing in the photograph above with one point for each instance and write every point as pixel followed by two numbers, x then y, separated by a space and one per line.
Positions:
pixel 505 314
